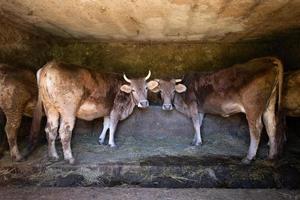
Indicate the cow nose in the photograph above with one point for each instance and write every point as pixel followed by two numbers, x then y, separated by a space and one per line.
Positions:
pixel 167 107
pixel 143 104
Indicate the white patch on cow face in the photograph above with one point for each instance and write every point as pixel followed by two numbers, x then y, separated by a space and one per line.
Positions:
pixel 180 88
pixel 126 88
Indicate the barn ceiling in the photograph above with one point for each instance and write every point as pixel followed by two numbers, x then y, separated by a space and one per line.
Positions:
pixel 155 20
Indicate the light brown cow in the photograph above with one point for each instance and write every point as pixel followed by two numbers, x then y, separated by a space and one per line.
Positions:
pixel 68 91
pixel 18 96
pixel 251 88
pixel 291 94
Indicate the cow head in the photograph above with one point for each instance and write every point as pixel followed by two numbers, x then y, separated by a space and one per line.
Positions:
pixel 167 91
pixel 138 88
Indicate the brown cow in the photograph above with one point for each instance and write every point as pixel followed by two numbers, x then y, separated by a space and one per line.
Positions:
pixel 251 88
pixel 291 94
pixel 18 95
pixel 68 91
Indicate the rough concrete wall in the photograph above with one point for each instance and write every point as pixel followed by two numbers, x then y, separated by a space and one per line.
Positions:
pixel 163 59
pixel 289 51
pixel 21 48
pixel 33 49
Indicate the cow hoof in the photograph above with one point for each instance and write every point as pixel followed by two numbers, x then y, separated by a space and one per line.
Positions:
pixel 101 142
pixel 196 143
pixel 18 158
pixel 71 161
pixel 113 145
pixel 53 158
pixel 273 156
pixel 246 161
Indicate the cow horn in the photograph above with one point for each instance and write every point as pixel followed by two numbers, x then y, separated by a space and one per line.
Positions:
pixel 126 79
pixel 148 76
pixel 178 80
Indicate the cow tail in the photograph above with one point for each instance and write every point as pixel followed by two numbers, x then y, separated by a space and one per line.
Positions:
pixel 36 121
pixel 280 84
pixel 280 116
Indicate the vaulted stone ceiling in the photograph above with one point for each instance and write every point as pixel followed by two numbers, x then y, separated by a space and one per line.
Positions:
pixel 155 20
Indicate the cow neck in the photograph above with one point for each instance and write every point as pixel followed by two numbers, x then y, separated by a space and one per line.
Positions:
pixel 133 100
pixel 177 97
pixel 179 103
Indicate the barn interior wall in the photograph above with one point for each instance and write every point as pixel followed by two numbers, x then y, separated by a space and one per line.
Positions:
pixel 33 49
pixel 22 47
pixel 289 52
pixel 163 59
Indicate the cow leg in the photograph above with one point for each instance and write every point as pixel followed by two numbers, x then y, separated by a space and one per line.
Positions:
pixel 104 131
pixel 112 129
pixel 65 132
pixel 255 127
pixel 197 121
pixel 51 132
pixel 270 124
pixel 196 118
pixel 13 121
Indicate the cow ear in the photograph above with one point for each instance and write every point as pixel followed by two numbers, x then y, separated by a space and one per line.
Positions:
pixel 126 88
pixel 153 86
pixel 180 88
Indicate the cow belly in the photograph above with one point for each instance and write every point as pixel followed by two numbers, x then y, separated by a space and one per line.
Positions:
pixel 90 111
pixel 231 108
pixel 225 109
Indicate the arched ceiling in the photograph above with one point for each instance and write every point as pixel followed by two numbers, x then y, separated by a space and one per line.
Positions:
pixel 155 20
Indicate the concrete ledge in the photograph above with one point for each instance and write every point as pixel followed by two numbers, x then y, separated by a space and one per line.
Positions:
pixel 14 193
pixel 154 151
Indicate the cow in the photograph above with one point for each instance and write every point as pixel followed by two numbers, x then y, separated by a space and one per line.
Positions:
pixel 18 96
pixel 252 88
pixel 291 94
pixel 67 91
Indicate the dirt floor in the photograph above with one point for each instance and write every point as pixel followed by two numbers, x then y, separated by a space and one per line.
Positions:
pixel 119 193
pixel 154 151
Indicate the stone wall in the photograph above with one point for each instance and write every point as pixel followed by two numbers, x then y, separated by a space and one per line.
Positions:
pixel 21 47
pixel 289 51
pixel 33 49
pixel 169 59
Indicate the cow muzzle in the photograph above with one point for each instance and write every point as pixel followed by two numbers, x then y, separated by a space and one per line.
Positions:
pixel 167 107
pixel 143 104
